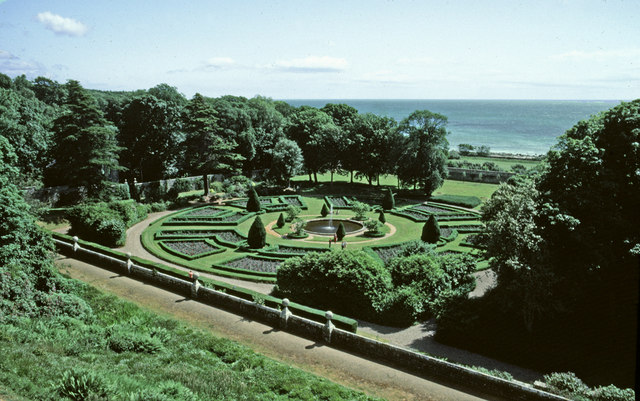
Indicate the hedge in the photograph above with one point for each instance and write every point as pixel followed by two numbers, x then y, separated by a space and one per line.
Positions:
pixel 317 315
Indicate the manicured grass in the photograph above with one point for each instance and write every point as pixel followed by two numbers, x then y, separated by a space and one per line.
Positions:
pixel 133 354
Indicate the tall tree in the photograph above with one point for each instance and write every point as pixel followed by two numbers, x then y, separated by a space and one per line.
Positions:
pixel 169 94
pixel 378 149
pixel 422 162
pixel 287 161
pixel 150 133
pixel 318 137
pixel 85 151
pixel 207 148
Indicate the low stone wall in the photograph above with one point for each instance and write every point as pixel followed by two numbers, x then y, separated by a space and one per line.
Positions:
pixel 485 176
pixel 422 365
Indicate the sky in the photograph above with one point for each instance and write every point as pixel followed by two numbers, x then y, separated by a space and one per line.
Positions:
pixel 298 49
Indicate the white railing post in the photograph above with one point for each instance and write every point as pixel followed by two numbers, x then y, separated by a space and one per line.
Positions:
pixel 328 327
pixel 129 263
pixel 285 313
pixel 195 285
pixel 75 244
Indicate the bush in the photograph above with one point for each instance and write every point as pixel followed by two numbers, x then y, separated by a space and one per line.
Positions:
pixel 518 168
pixel 454 155
pixel 431 231
pixel 373 226
pixel 360 209
pixel 81 385
pixel 341 232
pixel 350 282
pixel 179 185
pixel 280 222
pixel 465 149
pixel 253 203
pixel 155 192
pixel 97 223
pixel 483 150
pixel 381 217
pixel 567 385
pixel 324 211
pixel 293 212
pixel 126 339
pixel 257 234
pixel 402 307
pixel 388 202
pixel 613 393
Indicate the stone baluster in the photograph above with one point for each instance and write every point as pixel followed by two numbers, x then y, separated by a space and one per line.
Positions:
pixel 285 313
pixel 75 244
pixel 328 327
pixel 129 263
pixel 195 285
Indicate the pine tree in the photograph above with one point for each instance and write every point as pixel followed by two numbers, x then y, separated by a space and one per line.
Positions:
pixel 253 204
pixel 431 230
pixel 382 218
pixel 257 234
pixel 341 232
pixel 325 211
pixel 388 202
pixel 280 222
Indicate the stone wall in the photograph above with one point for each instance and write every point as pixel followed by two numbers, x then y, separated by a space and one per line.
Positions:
pixel 420 364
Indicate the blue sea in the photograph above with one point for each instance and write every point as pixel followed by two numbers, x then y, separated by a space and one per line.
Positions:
pixel 528 127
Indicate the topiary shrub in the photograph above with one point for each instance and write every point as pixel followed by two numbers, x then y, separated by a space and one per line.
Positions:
pixel 325 211
pixel 341 232
pixel 253 203
pixel 257 234
pixel 382 218
pixel 431 231
pixel 360 209
pixel 388 202
pixel 280 223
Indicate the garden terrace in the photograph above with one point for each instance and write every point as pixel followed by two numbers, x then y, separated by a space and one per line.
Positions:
pixel 273 203
pixel 338 202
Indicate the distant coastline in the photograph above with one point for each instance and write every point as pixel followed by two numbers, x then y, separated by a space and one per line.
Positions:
pixel 508 127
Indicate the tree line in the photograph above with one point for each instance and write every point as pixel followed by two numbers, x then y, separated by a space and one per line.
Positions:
pixel 64 134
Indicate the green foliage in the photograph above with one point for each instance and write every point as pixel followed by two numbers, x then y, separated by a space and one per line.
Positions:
pixel 105 223
pixel 483 150
pixel 180 185
pixel 373 226
pixel 567 385
pixel 381 217
pixel 340 232
pixel 257 237
pixel 458 200
pixel 422 162
pixel 280 223
pixel 612 393
pixel 388 201
pixel 82 385
pixel 253 203
pixel 431 231
pixel 287 160
pixel 349 282
pixel 324 211
pixel 293 212
pixel 465 149
pixel 360 209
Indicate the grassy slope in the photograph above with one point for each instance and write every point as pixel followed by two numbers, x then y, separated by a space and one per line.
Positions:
pixel 201 366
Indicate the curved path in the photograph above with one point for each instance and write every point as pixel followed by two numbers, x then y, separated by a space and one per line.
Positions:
pixel 418 337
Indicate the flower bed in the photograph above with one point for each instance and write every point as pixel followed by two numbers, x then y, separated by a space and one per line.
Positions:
pixel 190 249
pixel 432 209
pixel 255 264
pixel 185 233
pixel 204 211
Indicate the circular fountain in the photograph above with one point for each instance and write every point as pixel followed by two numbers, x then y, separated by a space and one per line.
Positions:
pixel 330 226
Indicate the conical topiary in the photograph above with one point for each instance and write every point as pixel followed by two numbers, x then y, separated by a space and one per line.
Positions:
pixel 431 231
pixel 257 234
pixel 341 232
pixel 382 218
pixel 253 204
pixel 325 211
pixel 388 202
pixel 280 222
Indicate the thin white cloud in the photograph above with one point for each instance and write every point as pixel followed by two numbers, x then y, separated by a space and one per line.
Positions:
pixel 598 55
pixel 61 25
pixel 5 55
pixel 220 62
pixel 312 64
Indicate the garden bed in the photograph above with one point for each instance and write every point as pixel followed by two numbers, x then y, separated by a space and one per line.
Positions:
pixel 255 264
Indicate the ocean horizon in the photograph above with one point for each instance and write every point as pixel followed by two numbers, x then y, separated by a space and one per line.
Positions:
pixel 527 127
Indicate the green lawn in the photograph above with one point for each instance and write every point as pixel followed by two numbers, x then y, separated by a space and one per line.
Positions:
pixel 505 164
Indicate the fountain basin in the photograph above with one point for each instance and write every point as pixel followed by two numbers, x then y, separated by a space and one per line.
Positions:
pixel 330 226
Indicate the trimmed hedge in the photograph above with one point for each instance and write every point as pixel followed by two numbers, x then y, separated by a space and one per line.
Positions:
pixel 297 309
pixel 458 200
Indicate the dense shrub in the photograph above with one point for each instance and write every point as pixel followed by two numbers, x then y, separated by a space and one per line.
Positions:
pixel 253 203
pixel 454 155
pixel 341 232
pixel 458 200
pixel 381 217
pixel 292 212
pixel 280 222
pixel 349 282
pixel 612 393
pixel 324 211
pixel 388 202
pixel 567 385
pixel 155 192
pixel 360 209
pixel 179 185
pixel 236 186
pixel 431 231
pixel 257 234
